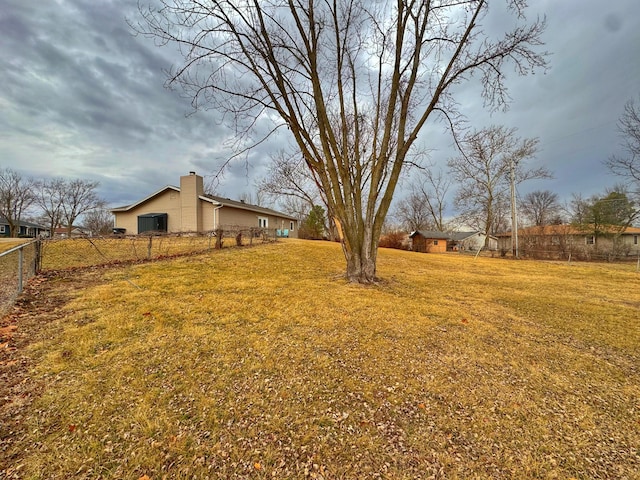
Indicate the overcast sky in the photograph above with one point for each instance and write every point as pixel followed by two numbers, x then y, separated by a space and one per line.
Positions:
pixel 81 97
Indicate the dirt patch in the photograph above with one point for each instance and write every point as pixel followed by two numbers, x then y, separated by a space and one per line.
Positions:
pixel 31 319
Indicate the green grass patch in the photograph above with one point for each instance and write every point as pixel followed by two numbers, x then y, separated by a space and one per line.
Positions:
pixel 266 363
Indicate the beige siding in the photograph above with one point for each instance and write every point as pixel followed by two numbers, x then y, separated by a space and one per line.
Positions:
pixel 208 216
pixel 234 217
pixel 229 216
pixel 167 202
pixel 188 210
pixel 191 187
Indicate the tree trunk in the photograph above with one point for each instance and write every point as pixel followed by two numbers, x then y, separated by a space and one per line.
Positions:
pixel 361 251
pixel 361 265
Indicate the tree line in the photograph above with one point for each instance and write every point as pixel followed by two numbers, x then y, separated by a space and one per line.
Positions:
pixel 53 203
pixel 477 183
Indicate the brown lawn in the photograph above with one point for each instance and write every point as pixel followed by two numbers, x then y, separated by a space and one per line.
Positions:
pixel 264 363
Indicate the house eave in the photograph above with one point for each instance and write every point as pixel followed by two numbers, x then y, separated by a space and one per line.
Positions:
pixel 126 208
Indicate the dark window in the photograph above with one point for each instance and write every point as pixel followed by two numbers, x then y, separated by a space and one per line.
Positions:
pixel 152 222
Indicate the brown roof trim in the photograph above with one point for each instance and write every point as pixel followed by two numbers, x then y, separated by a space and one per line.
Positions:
pixel 247 206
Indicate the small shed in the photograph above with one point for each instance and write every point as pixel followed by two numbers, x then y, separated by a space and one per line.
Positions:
pixel 429 242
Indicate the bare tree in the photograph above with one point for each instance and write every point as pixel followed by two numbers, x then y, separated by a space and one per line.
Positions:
pixel 288 176
pixel 628 166
pixel 354 82
pixel 578 209
pixel 80 197
pixel 540 207
pixel 16 196
pixel 49 196
pixel 98 221
pixel 412 212
pixel 424 207
pixel 483 172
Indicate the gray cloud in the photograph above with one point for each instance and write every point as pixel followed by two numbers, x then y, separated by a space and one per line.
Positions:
pixel 82 96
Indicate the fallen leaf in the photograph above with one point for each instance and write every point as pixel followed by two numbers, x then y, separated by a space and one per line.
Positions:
pixel 257 466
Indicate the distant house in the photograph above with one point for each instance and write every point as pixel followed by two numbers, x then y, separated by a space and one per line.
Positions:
pixel 474 241
pixel 63 232
pixel 27 229
pixel 188 209
pixel 437 242
pixel 560 241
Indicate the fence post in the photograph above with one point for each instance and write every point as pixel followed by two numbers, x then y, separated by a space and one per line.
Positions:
pixel 149 248
pixel 20 268
pixel 37 262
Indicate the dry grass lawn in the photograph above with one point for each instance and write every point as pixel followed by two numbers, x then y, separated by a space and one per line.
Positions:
pixel 9 243
pixel 263 362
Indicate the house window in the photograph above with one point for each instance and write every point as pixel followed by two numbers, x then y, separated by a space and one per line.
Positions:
pixel 555 240
pixel 590 239
pixel 263 222
pixel 435 242
pixel 635 239
pixel 291 228
pixel 2 230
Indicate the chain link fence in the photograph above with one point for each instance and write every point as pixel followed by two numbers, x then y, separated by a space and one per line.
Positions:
pixel 20 263
pixel 113 249
pixel 17 266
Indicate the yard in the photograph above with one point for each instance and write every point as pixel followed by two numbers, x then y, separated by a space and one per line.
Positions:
pixel 263 362
pixel 9 243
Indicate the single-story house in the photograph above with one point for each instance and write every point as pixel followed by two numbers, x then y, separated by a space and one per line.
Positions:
pixel 474 241
pixel 188 209
pixel 63 232
pixel 27 229
pixel 559 241
pixel 434 242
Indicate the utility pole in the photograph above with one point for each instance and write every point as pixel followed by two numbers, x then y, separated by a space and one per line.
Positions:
pixel 514 213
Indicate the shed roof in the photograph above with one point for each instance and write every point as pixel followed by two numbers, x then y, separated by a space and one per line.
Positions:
pixel 431 234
